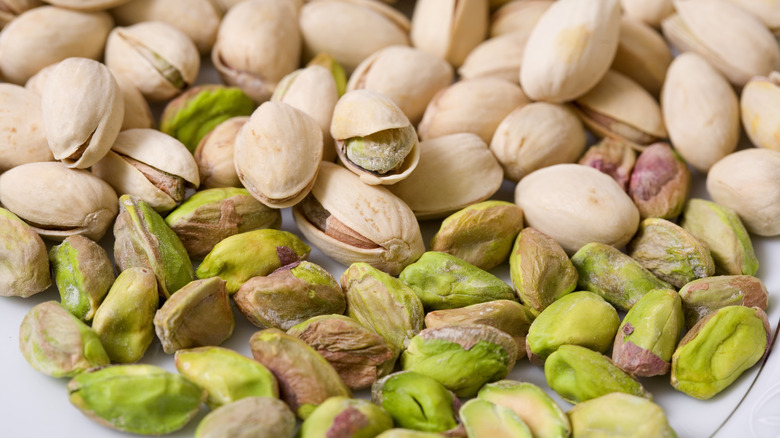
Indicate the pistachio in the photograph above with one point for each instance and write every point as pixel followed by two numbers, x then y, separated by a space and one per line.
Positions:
pixel 718 349
pixel 706 295
pixel 330 64
pixel 660 182
pixel 128 397
pixel 407 433
pixel 87 5
pixel 449 30
pixel 25 268
pixel 83 274
pixel 483 419
pixel 215 157
pixel 416 401
pixel 57 344
pixel 759 109
pixel 257 417
pixel 345 417
pixel 517 16
pixel 619 414
pixel 539 412
pixel 497 57
pixel 137 111
pixel 13 8
pixel 21 128
pixel 613 157
pixel 651 12
pixel 642 54
pixel 764 11
pixel 123 322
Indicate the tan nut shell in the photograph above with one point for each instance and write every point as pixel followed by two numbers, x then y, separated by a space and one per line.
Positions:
pixel 518 16
pixel 454 171
pixel 15 7
pixel 651 12
pixel 59 202
pixel 449 29
pixel 498 57
pixel 642 55
pixel 22 138
pixel 214 155
pixel 137 111
pixel 371 211
pixel 760 108
pixel 700 110
pixel 768 11
pixel 86 5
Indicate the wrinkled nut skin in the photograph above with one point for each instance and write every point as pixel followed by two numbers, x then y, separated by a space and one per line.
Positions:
pixel 345 417
pixel 613 157
pixel 619 414
pixel 707 295
pixel 483 418
pixel 214 155
pixel 57 343
pixel 449 30
pixel 660 182
pixel 540 412
pixel 251 417
pixel 416 401
pixel 25 268
pixel 21 128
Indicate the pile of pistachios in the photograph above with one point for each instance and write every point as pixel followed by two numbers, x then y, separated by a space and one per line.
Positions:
pixel 364 122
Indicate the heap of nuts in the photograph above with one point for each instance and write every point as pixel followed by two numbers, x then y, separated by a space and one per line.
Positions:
pixel 347 112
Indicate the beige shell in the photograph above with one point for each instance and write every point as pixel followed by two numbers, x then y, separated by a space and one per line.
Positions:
pixel 498 57
pixel 518 16
pixel 258 43
pixel 38 80
pixel 86 5
pixel 12 8
pixel 700 110
pixel 277 154
pixel 214 155
pixel 576 205
pixel 59 202
pixel 768 11
pixel 731 39
pixel 83 110
pixel 537 135
pixel 408 76
pixel 642 55
pixel 570 49
pixel 454 171
pixel 22 138
pixel 373 212
pixel 449 29
pixel 760 109
pixel 474 105
pixel 137 111
pixel 46 35
pixel 650 12
pixel 157 58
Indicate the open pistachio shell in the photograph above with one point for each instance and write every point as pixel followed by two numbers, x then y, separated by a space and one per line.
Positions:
pixel 449 29
pixel 83 274
pixel 24 139
pixel 25 268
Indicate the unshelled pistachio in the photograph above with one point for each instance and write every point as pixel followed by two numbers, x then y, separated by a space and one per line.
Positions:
pixel 449 30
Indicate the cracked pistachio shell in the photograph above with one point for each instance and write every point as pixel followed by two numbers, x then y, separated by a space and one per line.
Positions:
pixel 718 349
pixel 370 225
pixel 670 252
pixel 619 414
pixel 706 295
pixel 473 354
pixel 570 49
pixel 454 171
pixel 346 417
pixel 25 268
pixel 159 59
pixel 138 114
pixel 480 234
pixel 483 419
pixel 649 333
pixel 305 378
pixel 650 12
pixel 540 270
pixel 21 128
pixel 214 155
pixel 618 278
pixel 517 16
pixel 443 281
pixel 152 166
pixel 57 344
pixel 498 57
pixel 143 239
pixel 706 28
pixel 660 182
pixel 416 401
pixel 537 135
pixel 251 417
pixel 124 321
pixel 128 398
pixel 198 314
pixel 539 412
pixel 449 29
pixel 579 374
pixel 613 157
pixel 760 111
pixel 83 274
pixel 642 55
pixel 277 154
pixel 578 318
pixel 357 353
pixel 407 433
pixel 382 303
pixel 290 295
pixel 242 256
pixel 211 215
pixel 226 376
pixel 58 202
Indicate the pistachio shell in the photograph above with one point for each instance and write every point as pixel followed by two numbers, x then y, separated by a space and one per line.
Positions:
pixel 13 8
pixel 137 111
pixel 518 16
pixel 214 155
pixel 257 417
pixel 329 63
pixel 766 11
pixel 651 12
pixel 706 295
pixel 619 414
pixel 497 57
pixel 86 5
pixel 25 268
pixel 760 111
pixel 642 54
pixel 21 128
pixel 83 274
pixel 449 29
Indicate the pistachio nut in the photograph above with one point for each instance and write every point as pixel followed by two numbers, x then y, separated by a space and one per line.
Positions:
pixel 619 414
pixel 753 171
pixel 407 433
pixel 576 205
pixel 539 412
pixel 416 401
pixel 642 54
pixel 329 63
pixel 767 12
pixel 449 30
pixel 13 8
pixel 123 322
pixel 57 343
pixel 226 376
pixel 83 274
pixel 718 349
pixel 483 419
pixel 214 155
pixel 25 268
pixel 454 171
pixel 211 215
pixel 759 110
pixel 357 353
pixel 37 82
pixel 474 354
pixel 369 225
pixel 128 398
pixel 613 157
pixel 58 202
pixel 706 295
pixel 21 128
pixel 517 16
pixel 480 234
pixel 258 43
pixel 143 239
pixel 618 278
pixel 250 417
pixel 87 5
pixel 152 166
pixel 660 182
pixel 277 154
pixel 578 374
pixel 498 57
pixel 347 417
pixel 651 12
pixel 290 295
pixel 196 112
pixel 670 252
pixel 138 114
pixel 537 135
pixel 305 378
pixel 25 49
pixel 242 256
pixel 159 59
pixel 648 334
